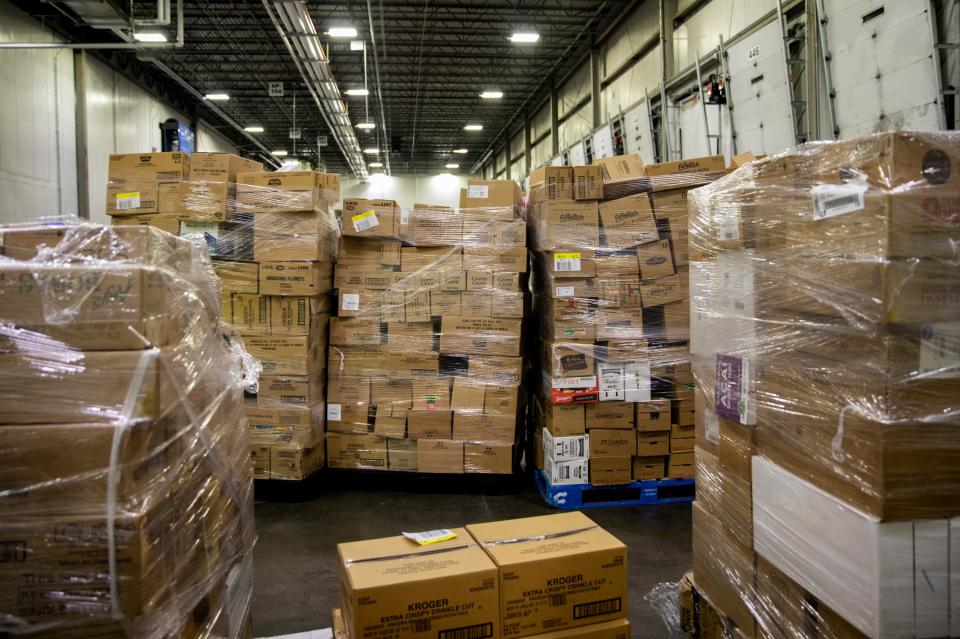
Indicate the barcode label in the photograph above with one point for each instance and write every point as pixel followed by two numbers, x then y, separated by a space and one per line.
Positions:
pixel 334 412
pixel 262 310
pixel 479 631
pixel 728 228
pixel 940 350
pixel 558 600
pixel 564 291
pixel 364 221
pixel 831 200
pixel 566 262
pixel 478 192
pixel 350 302
pixel 597 608
pixel 421 625
pixel 128 201
pixel 404 216
pixel 301 312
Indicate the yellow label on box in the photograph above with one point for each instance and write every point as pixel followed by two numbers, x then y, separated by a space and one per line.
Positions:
pixel 566 256
pixel 365 220
pixel 128 200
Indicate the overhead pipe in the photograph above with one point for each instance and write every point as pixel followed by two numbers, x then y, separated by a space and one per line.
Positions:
pixel 376 74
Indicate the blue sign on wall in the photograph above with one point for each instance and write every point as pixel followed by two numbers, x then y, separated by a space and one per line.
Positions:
pixel 185 138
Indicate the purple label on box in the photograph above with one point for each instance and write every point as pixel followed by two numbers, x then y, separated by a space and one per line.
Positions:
pixel 729 387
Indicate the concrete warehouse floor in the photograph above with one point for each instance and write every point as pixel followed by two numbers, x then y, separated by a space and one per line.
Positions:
pixel 295 561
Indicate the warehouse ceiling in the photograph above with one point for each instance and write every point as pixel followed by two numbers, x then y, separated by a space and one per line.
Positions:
pixel 433 59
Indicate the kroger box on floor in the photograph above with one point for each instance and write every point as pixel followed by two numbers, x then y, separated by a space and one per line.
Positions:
pixel 394 587
pixel 555 572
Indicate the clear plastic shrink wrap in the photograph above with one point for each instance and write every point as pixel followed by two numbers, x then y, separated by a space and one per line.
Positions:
pixel 125 484
pixel 273 240
pixel 825 340
pixel 426 360
pixel 610 264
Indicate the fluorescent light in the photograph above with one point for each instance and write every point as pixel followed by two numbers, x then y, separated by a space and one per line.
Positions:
pixel 525 37
pixel 372 151
pixel 360 92
pixel 473 127
pixel 148 36
pixel 253 129
pixel 491 95
pixel 356 45
pixel 342 32
pixel 376 165
pixel 279 154
pixel 366 126
pixel 461 151
pixel 451 166
pixel 217 97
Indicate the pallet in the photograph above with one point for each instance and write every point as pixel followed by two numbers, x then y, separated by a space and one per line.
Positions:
pixel 637 493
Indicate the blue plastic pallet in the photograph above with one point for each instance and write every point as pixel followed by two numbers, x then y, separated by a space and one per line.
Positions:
pixel 638 493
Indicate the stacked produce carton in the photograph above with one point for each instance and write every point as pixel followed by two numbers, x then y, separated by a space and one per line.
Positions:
pixel 124 466
pixel 826 351
pixel 552 577
pixel 616 399
pixel 425 351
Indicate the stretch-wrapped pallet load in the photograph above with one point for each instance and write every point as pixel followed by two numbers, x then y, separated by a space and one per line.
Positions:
pixel 125 484
pixel 615 401
pixel 426 363
pixel 273 240
pixel 825 291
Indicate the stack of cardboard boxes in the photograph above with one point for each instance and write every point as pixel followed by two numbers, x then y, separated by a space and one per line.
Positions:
pixel 425 351
pixel 552 577
pixel 144 189
pixel 127 493
pixel 826 353
pixel 616 402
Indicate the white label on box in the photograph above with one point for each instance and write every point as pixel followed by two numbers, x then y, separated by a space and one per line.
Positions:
pixel 565 473
pixel 404 219
pixel 940 350
pixel 831 200
pixel 334 413
pixel 728 227
pixel 564 291
pixel 478 192
pixel 611 381
pixel 589 381
pixel 566 262
pixel 711 426
pixel 350 302
pixel 128 200
pixel 565 448
pixel 364 221
pixel 636 382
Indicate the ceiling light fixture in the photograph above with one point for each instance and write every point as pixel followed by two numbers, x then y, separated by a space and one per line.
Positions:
pixel 342 32
pixel 279 154
pixel 451 166
pixel 358 92
pixel 372 151
pixel 491 95
pixel 461 151
pixel 376 165
pixel 366 126
pixel 356 45
pixel 473 127
pixel 149 36
pixel 253 129
pixel 216 97
pixel 524 37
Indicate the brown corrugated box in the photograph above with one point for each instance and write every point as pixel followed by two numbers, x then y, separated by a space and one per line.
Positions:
pixel 295 462
pixel 608 471
pixel 148 167
pixel 587 183
pixel 551 183
pixel 612 414
pixel 628 221
pixel 440 456
pixel 238 277
pixel 621 167
pixel 220 167
pixel 131 198
pixel 355 450
pixel 401 454
pixel 566 224
pixel 564 420
pixel 645 468
pixel 295 278
pixel 490 194
pixel 488 457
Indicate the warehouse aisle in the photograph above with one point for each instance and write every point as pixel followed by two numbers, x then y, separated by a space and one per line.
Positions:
pixel 295 558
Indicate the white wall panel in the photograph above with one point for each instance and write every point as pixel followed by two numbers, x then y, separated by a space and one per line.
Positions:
pixel 693 130
pixel 407 190
pixel 37 126
pixel 540 153
pixel 516 144
pixel 518 170
pixel 720 17
pixel 632 86
pixel 209 140
pixel 627 39
pixel 573 90
pixel 575 127
pixel 540 122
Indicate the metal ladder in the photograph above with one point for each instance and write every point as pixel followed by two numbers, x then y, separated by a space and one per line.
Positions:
pixel 703 107
pixel 725 74
pixel 826 59
pixel 795 68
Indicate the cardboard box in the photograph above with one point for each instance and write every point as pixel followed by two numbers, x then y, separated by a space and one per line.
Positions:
pixel 614 414
pixel 468 395
pixel 608 471
pixel 653 444
pixel 297 315
pixel 620 167
pixel 220 167
pixel 653 416
pixel 238 277
pixel 645 468
pixel 628 221
pixel 508 259
pixel 476 303
pixel 551 183
pixel 251 313
pixel 656 260
pixel 566 263
pixel 490 194
pixel 681 465
pixel 480 230
pixel 412 364
pixel 275 424
pixel 706 164
pixel 354 450
pixel 562 571
pixel 476 427
pixel 663 291
pixel 480 335
pixel 566 473
pixel 148 167
pixel 291 389
pixel 433 258
pixel 429 424
pixel 679 233
pixel 295 462
pixel 617 442
pixel 289 354
pixel 500 400
pixel 488 458
pixel 565 224
pixel 587 183
pixel 401 454
pixel 564 420
pixel 436 226
pixel 163 221
pixel 669 203
pixel 618 629
pixel 286 191
pixel 260 460
pixel 368 253
pixel 440 456
pixel 276 247
pixel 507 305
pixel 131 198
pixel 392 585
pixel 376 278
pixel 371 218
pixel 390 421
pixel 567 448
pixel 295 278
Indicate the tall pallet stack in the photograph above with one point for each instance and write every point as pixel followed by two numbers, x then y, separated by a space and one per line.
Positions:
pixel 616 393
pixel 127 492
pixel 425 352
pixel 826 350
